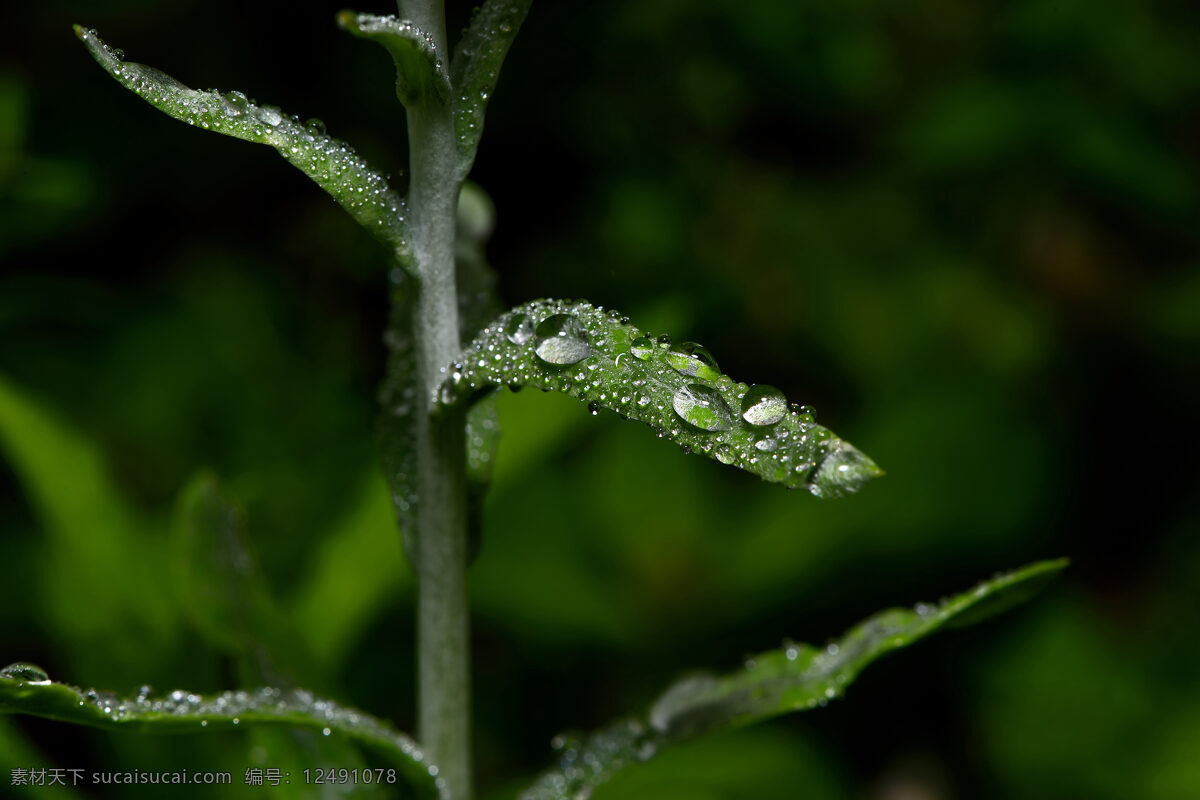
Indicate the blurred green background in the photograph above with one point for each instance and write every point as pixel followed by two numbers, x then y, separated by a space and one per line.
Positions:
pixel 965 231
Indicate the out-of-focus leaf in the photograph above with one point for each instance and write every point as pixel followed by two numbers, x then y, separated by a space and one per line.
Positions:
pixel 94 534
pixel 224 592
pixel 331 163
pixel 601 359
pixel 420 74
pixel 355 569
pixel 229 601
pixel 475 279
pixel 398 410
pixel 476 67
pixel 795 678
pixel 15 749
pixel 26 690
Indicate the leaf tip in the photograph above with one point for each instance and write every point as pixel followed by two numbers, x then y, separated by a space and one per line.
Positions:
pixel 843 471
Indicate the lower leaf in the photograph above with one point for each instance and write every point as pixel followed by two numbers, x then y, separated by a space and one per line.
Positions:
pixel 797 677
pixel 25 689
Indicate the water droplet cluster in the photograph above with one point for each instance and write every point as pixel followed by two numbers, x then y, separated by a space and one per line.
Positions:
pixel 598 357
pixel 584 764
pixel 332 164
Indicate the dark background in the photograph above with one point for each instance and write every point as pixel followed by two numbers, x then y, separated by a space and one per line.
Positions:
pixel 965 231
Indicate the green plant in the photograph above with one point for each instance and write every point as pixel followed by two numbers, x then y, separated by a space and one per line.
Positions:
pixel 439 436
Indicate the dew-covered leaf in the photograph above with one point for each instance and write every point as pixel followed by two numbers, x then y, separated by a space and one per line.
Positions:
pixel 599 358
pixel 420 74
pixel 797 677
pixel 331 163
pixel 476 67
pixel 224 592
pixel 26 689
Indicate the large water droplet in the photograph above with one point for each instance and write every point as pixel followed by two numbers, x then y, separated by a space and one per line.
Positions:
pixel 26 673
pixel 693 359
pixel 641 347
pixel 561 339
pixel 763 405
pixel 519 329
pixel 702 407
pixel 269 115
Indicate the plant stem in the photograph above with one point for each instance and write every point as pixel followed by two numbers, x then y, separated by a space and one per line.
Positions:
pixel 443 673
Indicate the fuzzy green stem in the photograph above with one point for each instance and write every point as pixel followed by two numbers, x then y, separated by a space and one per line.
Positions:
pixel 443 673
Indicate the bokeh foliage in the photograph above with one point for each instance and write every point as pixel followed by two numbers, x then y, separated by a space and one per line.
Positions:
pixel 965 233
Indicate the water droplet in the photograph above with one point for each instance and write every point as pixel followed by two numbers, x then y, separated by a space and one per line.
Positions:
pixel 269 115
pixel 702 407
pixel 763 405
pixel 725 454
pixel 693 359
pixel 25 672
pixel 664 340
pixel 315 125
pixel 326 731
pixel 561 339
pixel 594 408
pixel 519 329
pixel 641 347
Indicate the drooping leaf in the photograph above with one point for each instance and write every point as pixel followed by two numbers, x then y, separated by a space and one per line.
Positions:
pixel 420 74
pixel 598 357
pixel 797 677
pixel 331 163
pixel 476 67
pixel 25 689
pixel 226 595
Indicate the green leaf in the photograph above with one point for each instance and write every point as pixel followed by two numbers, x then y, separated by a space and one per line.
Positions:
pixel 476 67
pixel 26 690
pixel 355 569
pixel 224 592
pixel 797 677
pixel 598 357
pixel 420 74
pixel 331 163
pixel 91 530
